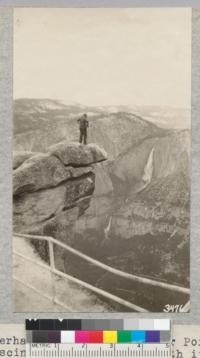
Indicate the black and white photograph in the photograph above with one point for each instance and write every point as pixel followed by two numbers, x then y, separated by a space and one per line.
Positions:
pixel 101 159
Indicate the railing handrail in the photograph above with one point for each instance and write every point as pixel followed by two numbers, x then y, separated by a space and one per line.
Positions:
pixel 97 290
pixel 106 267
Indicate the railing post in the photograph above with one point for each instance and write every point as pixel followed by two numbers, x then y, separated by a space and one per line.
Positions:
pixel 52 266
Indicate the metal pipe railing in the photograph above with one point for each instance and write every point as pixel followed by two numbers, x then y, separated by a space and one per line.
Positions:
pixel 108 268
pixel 84 284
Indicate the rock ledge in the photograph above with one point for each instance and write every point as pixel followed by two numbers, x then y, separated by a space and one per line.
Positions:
pixel 61 162
pixel 52 189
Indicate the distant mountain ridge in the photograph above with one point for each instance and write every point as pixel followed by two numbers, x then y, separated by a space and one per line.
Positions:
pixel 164 117
pixel 41 123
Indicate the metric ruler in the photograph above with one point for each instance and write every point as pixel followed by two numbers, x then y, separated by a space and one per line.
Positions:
pixel 98 350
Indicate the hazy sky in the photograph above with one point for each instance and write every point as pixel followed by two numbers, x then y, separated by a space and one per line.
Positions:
pixel 104 56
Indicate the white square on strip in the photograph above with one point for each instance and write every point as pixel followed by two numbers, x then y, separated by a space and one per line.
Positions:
pixel 67 336
pixel 131 324
pixel 162 324
pixel 146 324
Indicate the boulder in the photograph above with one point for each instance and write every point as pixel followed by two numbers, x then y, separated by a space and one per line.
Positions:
pixel 41 171
pixel 48 188
pixel 38 207
pixel 61 162
pixel 77 154
pixel 20 157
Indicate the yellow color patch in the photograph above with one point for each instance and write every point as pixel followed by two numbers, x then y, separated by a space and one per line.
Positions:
pixel 109 336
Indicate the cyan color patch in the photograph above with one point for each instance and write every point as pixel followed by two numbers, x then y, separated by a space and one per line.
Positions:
pixel 138 336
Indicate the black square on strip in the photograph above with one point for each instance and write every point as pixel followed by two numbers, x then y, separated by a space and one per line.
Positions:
pixel 61 325
pixel 46 324
pixel 74 324
pixel 32 324
pixel 40 336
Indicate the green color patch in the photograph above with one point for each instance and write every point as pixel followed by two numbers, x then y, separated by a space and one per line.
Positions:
pixel 124 336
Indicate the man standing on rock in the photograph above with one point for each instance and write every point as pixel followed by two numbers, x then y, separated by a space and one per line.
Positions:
pixel 83 126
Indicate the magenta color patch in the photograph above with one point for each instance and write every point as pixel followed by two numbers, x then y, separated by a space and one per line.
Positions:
pixel 82 337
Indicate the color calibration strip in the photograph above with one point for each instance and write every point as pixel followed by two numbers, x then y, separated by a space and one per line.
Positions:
pixel 105 337
pixel 98 331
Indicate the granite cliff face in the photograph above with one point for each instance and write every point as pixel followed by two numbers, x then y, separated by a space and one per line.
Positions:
pixel 52 189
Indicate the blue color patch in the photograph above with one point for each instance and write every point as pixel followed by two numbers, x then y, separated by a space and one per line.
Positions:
pixel 153 336
pixel 138 336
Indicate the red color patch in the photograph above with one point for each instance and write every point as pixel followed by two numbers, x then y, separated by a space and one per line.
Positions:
pixel 96 336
